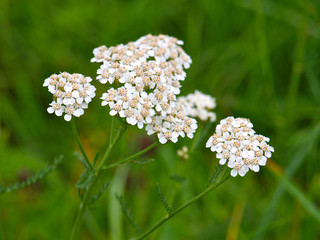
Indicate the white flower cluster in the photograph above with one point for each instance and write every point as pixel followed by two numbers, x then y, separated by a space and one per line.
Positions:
pixel 198 104
pixel 236 143
pixel 149 72
pixel 71 94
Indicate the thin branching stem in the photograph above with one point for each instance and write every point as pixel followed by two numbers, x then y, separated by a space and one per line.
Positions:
pixel 181 208
pixel 75 133
pixel 123 161
pixel 111 130
pixel 87 194
pixel 110 147
pixel 82 208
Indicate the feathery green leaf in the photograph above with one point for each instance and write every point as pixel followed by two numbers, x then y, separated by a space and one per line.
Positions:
pixel 128 213
pixel 33 179
pixel 165 203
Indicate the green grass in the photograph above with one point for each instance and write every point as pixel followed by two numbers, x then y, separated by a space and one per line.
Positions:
pixel 259 58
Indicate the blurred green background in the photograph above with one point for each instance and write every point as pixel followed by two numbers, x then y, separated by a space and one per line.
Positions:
pixel 259 58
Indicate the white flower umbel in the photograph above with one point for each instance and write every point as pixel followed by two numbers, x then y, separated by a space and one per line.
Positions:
pixel 147 74
pixel 237 145
pixel 151 62
pixel 199 105
pixel 71 94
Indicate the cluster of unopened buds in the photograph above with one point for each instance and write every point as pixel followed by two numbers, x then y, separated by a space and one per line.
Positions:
pixel 183 153
pixel 236 144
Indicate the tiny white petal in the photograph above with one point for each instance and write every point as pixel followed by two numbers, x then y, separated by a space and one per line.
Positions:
pixel 75 94
pixel 222 161
pixel 162 140
pixel 113 112
pixel 140 125
pixel 50 110
pixel 67 117
pixel 263 161
pixel 256 168
pixel 268 154
pixel 234 173
pixel 59 112
pixel 242 173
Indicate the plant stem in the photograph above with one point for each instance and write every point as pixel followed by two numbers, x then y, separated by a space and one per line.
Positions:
pixel 93 226
pixel 130 157
pixel 82 208
pixel 86 197
pixel 187 204
pixel 111 130
pixel 75 133
pixel 110 147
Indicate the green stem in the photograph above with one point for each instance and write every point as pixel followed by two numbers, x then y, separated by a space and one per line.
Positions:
pixel 111 130
pixel 93 226
pixel 75 133
pixel 87 195
pixel 187 204
pixel 130 157
pixel 82 208
pixel 110 147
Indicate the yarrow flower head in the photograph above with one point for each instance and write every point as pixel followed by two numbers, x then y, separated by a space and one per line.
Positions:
pixel 71 94
pixel 147 74
pixel 237 145
pixel 198 105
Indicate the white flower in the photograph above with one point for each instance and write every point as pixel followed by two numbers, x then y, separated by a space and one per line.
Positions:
pixel 199 105
pixel 71 94
pixel 51 83
pixel 238 168
pixel 56 107
pixel 236 144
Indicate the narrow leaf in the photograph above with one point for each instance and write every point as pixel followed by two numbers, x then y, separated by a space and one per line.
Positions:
pixel 177 178
pixel 128 213
pixel 95 197
pixel 217 174
pixel 143 161
pixel 166 205
pixel 96 157
pixel 79 156
pixel 300 196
